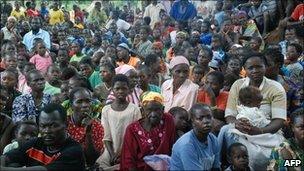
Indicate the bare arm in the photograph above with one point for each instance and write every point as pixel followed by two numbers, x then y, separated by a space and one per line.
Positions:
pixel 274 126
pixel 91 153
pixel 109 147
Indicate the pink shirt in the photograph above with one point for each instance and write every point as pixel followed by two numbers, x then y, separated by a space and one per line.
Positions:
pixel 41 63
pixel 184 97
pixel 22 85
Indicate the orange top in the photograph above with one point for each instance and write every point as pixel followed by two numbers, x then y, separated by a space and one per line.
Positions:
pixel 221 99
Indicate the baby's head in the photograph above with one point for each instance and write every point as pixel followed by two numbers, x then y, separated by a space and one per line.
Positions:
pixel 25 130
pixel 250 96
pixel 238 156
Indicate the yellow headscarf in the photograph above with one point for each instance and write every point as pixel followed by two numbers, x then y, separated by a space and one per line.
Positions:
pixel 151 96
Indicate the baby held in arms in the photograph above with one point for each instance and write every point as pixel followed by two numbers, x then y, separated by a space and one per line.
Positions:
pixel 250 99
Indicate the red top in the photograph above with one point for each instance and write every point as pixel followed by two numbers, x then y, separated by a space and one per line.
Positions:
pixel 221 99
pixel 298 13
pixel 139 143
pixel 32 13
pixel 78 133
pixel 80 15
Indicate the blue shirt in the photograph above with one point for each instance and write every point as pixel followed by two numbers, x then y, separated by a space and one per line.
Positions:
pixel 189 153
pixel 179 15
pixel 29 37
pixel 24 107
pixel 206 38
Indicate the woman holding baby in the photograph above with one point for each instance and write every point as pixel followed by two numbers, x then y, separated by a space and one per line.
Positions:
pixel 256 120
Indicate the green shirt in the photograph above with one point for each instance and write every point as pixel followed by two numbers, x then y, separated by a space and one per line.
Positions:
pixel 49 89
pixel 95 79
pixel 77 58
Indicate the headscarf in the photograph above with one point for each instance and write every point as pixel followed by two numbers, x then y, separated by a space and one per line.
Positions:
pixel 124 46
pixel 182 33
pixel 178 60
pixel 151 96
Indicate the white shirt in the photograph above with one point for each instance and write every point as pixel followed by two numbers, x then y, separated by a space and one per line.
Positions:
pixel 153 11
pixel 122 25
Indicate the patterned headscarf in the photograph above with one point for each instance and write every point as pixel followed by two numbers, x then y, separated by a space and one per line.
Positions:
pixel 151 96
pixel 182 33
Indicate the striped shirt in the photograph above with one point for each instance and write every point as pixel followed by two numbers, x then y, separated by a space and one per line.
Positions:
pixel 274 98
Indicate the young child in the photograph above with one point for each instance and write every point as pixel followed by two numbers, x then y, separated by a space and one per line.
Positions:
pixel 292 64
pixel 181 120
pixel 238 158
pixel 76 50
pixel 115 119
pixel 211 93
pixel 250 99
pixel 197 74
pixel 86 68
pixel 9 60
pixel 24 131
pixel 144 74
pixel 107 72
pixel 63 58
pixel 9 80
pixel 203 59
pixel 41 59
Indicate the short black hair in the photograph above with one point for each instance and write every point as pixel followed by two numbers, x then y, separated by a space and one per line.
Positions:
pixel 49 108
pixel 218 75
pixel 255 54
pixel 276 55
pixel 82 81
pixel 258 39
pixel 175 110
pixel 297 113
pixel 145 69
pixel 28 75
pixel 151 59
pixel 297 47
pixel 120 78
pixel 109 66
pixel 68 73
pixel 20 123
pixel 87 61
pixel 64 50
pixel 75 90
pixel 232 146
pixel 208 51
pixel 197 67
pixel 196 107
pixel 13 71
